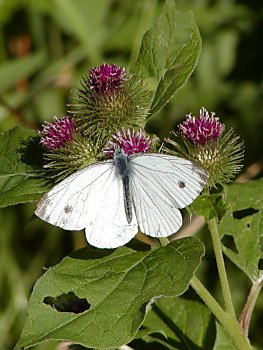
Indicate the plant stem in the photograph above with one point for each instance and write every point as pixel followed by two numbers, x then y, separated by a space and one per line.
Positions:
pixel 212 225
pixel 209 300
pixel 228 322
pixel 164 241
pixel 245 317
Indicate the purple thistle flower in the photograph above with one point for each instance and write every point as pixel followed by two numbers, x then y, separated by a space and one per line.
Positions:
pixel 201 129
pixel 55 134
pixel 130 142
pixel 106 78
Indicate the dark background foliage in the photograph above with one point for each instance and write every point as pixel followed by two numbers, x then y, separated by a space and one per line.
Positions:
pixel 45 48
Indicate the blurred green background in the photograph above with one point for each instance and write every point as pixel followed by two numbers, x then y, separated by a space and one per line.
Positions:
pixel 45 48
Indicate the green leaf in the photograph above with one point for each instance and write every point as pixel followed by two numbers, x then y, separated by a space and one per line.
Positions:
pixel 15 70
pixel 19 159
pixel 212 206
pixel 110 292
pixel 168 55
pixel 244 223
pixel 186 324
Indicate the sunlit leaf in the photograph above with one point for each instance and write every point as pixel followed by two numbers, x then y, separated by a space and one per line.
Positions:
pixel 118 287
pixel 169 53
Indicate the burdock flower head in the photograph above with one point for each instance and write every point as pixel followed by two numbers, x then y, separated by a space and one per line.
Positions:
pixel 55 135
pixel 202 129
pixel 110 99
pixel 106 78
pixel 65 150
pixel 130 141
pixel 202 140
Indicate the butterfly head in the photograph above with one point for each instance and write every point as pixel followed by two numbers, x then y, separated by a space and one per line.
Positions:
pixel 118 152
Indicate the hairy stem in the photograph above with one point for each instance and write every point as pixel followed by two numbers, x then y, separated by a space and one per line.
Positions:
pixel 228 322
pixel 212 225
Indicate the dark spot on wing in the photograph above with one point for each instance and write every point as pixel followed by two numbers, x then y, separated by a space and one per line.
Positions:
pixel 68 303
pixel 68 209
pixel 181 184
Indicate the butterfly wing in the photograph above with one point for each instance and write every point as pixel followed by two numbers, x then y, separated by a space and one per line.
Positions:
pixel 107 225
pixel 91 198
pixel 160 185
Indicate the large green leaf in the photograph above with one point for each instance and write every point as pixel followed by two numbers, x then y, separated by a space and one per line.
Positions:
pixel 169 53
pixel 245 224
pixel 19 161
pixel 180 324
pixel 100 297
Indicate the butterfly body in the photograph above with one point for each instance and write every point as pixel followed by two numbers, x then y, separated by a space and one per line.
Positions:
pixel 123 169
pixel 112 198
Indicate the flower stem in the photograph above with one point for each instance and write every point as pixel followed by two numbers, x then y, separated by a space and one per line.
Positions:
pixel 245 317
pixel 212 225
pixel 164 241
pixel 208 299
pixel 228 322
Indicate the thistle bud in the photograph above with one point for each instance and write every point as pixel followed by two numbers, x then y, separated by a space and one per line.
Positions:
pixel 106 79
pixel 202 129
pixel 55 135
pixel 110 99
pixel 130 141
pixel 202 140
pixel 65 150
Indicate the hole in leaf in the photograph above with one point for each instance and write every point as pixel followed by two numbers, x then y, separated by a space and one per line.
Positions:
pixel 260 264
pixel 229 242
pixel 240 214
pixel 68 303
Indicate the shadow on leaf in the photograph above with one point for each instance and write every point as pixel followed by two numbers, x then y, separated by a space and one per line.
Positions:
pixel 31 154
pixel 97 253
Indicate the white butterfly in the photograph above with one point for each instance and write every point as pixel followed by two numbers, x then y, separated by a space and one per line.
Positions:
pixel 110 199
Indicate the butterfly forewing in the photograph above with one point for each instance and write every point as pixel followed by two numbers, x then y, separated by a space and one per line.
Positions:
pixel 160 184
pixel 67 204
pixel 91 198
